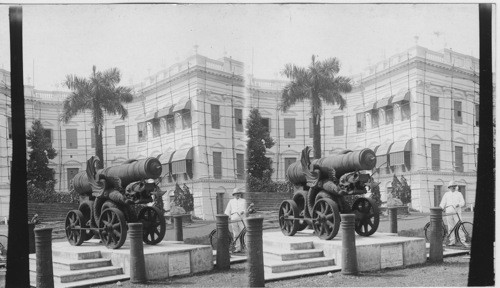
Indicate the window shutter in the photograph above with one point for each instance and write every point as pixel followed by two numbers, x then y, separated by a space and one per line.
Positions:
pixel 217 158
pixel 120 135
pixel 434 108
pixel 338 124
pixel 266 123
pixel 215 110
pixel 435 157
pixel 71 139
pixel 240 166
pixel 457 108
pixel 289 124
pixel 238 119
pixel 459 161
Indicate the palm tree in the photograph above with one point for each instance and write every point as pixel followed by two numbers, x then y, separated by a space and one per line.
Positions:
pixel 99 94
pixel 316 83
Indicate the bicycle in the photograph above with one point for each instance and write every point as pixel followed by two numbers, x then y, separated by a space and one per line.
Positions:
pixel 232 241
pixel 461 226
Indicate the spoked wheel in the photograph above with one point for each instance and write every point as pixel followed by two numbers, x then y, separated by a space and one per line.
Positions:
pixel 288 209
pixel 427 232
pixel 367 216
pixel 74 227
pixel 112 228
pixel 463 233
pixel 214 238
pixel 326 218
pixel 153 225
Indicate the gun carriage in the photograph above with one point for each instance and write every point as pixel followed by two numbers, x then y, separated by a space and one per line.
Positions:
pixel 116 195
pixel 320 187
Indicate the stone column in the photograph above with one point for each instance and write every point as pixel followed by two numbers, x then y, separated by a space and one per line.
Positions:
pixel 393 219
pixel 137 262
pixel 43 247
pixel 349 257
pixel 178 227
pixel 223 258
pixel 436 239
pixel 255 266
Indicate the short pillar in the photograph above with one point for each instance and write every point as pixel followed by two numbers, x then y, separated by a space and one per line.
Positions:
pixel 436 239
pixel 31 237
pixel 43 247
pixel 349 257
pixel 255 262
pixel 222 259
pixel 178 227
pixel 137 262
pixel 393 219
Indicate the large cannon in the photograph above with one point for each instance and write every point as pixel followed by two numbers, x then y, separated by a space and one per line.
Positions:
pixel 320 187
pixel 116 196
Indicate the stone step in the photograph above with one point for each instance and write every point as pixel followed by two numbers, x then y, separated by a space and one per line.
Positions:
pixel 76 255
pixel 269 276
pixel 292 244
pixel 278 266
pixel 71 264
pixel 65 276
pixel 287 255
pixel 86 282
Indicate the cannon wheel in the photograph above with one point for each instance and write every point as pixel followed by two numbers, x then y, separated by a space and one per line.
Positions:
pixel 112 228
pixel 367 216
pixel 73 227
pixel 326 218
pixel 88 221
pixel 288 208
pixel 300 200
pixel 153 224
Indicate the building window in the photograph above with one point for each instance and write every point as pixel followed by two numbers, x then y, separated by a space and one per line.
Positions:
pixel 48 134
pixel 477 114
pixel 240 166
pixel 142 131
pixel 120 135
pixel 338 125
pixel 434 108
pixel 375 117
pixel 289 127
pixel 437 195
pixel 389 115
pixel 311 128
pixel 71 174
pixel 436 161
pixel 217 159
pixel 405 111
pixel 92 138
pixel 71 139
pixel 457 111
pixel 170 124
pixel 266 123
pixel 360 122
pixel 459 159
pixel 288 162
pixel 155 123
pixel 238 119
pixel 9 127
pixel 186 119
pixel 215 112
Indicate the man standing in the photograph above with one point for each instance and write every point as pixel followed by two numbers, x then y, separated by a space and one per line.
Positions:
pixel 236 210
pixel 452 202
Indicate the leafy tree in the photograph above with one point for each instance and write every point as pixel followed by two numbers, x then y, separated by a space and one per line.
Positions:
pixel 375 190
pixel 39 174
pixel 100 94
pixel 316 83
pixel 401 190
pixel 258 165
pixel 183 198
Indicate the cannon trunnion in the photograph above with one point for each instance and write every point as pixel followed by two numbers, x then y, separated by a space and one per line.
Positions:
pixel 321 185
pixel 117 195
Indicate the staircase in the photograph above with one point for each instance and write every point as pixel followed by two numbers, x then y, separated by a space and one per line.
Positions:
pixel 294 257
pixel 79 269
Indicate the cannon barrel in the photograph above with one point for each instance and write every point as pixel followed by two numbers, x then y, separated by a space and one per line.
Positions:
pixel 128 172
pixel 342 163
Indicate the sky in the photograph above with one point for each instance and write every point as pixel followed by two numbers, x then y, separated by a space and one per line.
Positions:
pixel 141 39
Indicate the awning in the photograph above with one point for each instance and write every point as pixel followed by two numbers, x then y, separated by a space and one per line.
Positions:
pixel 401 146
pixel 183 104
pixel 165 111
pixel 402 95
pixel 383 102
pixel 382 153
pixel 183 154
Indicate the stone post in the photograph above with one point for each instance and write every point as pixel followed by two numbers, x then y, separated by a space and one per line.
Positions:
pixel 223 258
pixel 349 257
pixel 178 227
pixel 43 247
pixel 137 262
pixel 436 239
pixel 31 237
pixel 255 266
pixel 393 219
